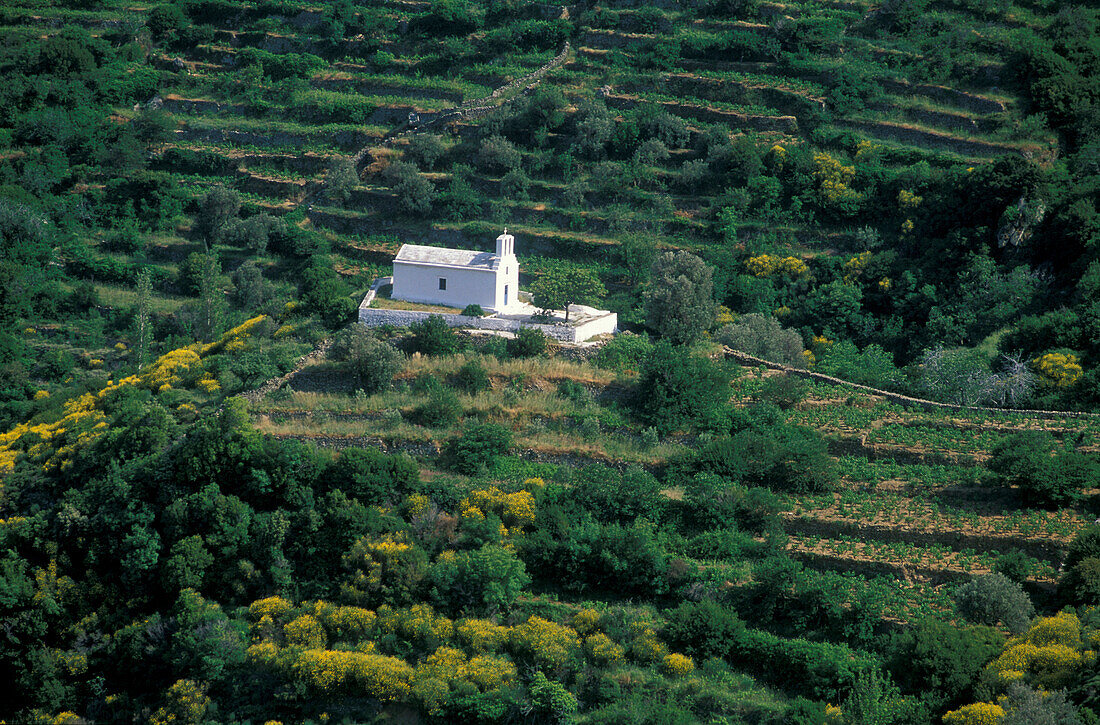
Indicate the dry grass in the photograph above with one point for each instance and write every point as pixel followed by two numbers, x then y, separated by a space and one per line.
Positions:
pixel 531 369
pixel 384 303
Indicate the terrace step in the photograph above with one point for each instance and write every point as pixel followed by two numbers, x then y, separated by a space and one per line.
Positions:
pixel 348 140
pixel 613 39
pixel 729 90
pixel 1046 549
pixel 782 124
pixel 943 94
pixel 309 163
pixel 885 131
pixel 958 122
pixel 858 446
pixel 377 88
pixel 200 106
pixel 832 562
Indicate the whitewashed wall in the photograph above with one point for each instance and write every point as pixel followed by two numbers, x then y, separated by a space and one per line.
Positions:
pixel 420 283
pixel 374 317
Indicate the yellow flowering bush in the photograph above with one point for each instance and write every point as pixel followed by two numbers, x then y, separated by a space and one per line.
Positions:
pixel 264 653
pixel 208 384
pixel 41 394
pixel 981 713
pixel 645 647
pixel 677 665
pixel 768 265
pixel 481 635
pixel 533 485
pixel 418 623
pixel 908 200
pixel 514 509
pixel 865 147
pixel 416 504
pixel 305 631
pixel 854 267
pixel 885 284
pixel 348 624
pixel 777 156
pixel 378 565
pixel 603 650
pixel 186 703
pixel 1049 654
pixel 585 621
pixel 545 641
pixel 384 678
pixel 236 339
pixel 52 445
pixel 274 607
pixel 171 369
pixel 1062 370
pixel 833 178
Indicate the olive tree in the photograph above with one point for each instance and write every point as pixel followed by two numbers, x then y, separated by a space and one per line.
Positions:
pixel 559 288
pixel 679 298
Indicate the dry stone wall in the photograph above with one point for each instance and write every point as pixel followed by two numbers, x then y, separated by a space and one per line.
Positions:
pixel 752 361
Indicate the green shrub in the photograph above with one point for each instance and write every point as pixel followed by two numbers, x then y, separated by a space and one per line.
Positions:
pixel 941 662
pixel 485 580
pixel 528 342
pixel 372 476
pixel 623 352
pixel 763 337
pixel 592 557
pixel 1016 565
pixel 822 670
pixel 471 378
pixel 1046 474
pixel 715 503
pixel 474 452
pixel 433 337
pixel 615 497
pixel 1081 582
pixel 441 408
pixel 994 599
pixel 473 310
pixel 574 392
pixel 786 459
pixel 679 391
pixel 783 391
pixel 372 362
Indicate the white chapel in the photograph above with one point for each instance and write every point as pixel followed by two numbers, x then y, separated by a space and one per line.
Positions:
pixel 459 277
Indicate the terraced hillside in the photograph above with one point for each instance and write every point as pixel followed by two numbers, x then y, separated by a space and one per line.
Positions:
pixel 915 511
pixel 195 521
pixel 837 133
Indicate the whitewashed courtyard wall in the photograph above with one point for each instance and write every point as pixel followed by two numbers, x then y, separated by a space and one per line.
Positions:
pixel 601 325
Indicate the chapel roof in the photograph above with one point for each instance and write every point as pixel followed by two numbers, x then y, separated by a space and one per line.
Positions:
pixel 443 257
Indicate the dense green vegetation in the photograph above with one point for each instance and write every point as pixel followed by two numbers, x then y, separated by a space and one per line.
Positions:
pixel 427 526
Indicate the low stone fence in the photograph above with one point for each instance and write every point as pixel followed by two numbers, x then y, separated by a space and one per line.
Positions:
pixel 375 317
pixel 752 361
